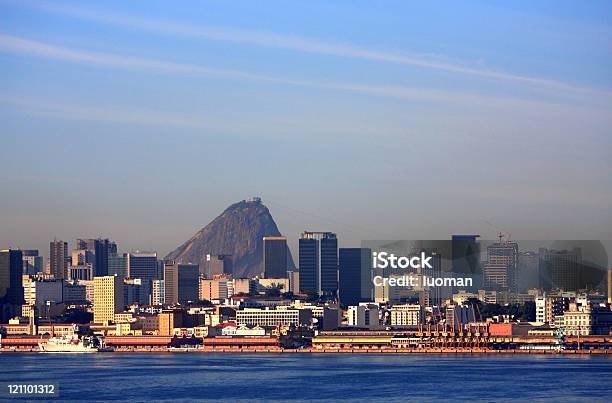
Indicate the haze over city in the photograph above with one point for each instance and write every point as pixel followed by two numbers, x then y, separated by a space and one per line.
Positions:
pixel 143 124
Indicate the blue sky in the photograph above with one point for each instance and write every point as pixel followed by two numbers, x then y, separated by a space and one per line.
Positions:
pixel 142 121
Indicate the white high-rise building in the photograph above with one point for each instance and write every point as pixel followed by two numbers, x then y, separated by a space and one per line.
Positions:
pixel 158 292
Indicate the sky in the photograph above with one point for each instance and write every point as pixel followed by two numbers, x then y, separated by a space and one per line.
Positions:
pixel 142 121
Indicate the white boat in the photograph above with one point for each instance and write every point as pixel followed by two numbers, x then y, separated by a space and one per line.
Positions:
pixel 68 344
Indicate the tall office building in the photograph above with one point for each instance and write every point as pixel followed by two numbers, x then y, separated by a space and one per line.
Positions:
pixel 11 286
pixel 158 292
pixel 318 263
pixel 117 264
pixel 275 257
pixel 294 281
pixel 560 269
pixel 82 257
pixel 58 259
pixel 352 262
pixel 216 265
pixel 102 249
pixel 142 265
pixel 108 298
pixel 181 283
pixel 32 262
pixel 502 262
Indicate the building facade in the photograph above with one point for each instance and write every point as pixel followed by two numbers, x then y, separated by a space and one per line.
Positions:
pixel 108 298
pixel 181 282
pixel 274 257
pixel 58 259
pixel 318 257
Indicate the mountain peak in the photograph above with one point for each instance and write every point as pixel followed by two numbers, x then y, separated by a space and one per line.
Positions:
pixel 239 232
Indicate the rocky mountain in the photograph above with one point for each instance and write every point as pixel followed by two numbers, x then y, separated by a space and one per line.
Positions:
pixel 239 232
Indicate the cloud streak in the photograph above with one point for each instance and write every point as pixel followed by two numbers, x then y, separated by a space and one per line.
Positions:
pixel 299 44
pixel 21 46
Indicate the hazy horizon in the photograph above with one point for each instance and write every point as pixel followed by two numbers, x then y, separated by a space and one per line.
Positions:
pixel 142 124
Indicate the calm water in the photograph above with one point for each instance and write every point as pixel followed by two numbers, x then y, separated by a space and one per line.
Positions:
pixel 307 377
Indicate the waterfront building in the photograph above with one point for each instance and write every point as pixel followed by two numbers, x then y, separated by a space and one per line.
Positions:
pixel 408 315
pixel 364 315
pixel 550 307
pixel 274 317
pixel 585 320
pixel 169 320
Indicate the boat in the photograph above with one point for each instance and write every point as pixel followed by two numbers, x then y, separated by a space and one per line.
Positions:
pixel 69 344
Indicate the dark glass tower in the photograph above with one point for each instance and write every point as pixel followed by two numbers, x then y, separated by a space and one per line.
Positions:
pixel 102 249
pixel 319 263
pixel 11 286
pixel 275 257
pixel 352 263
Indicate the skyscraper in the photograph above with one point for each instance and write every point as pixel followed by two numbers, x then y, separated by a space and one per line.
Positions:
pixel 142 265
pixel 216 265
pixel 351 264
pixel 465 252
pixel 11 286
pixel 560 269
pixel 32 262
pixel 181 282
pixel 102 249
pixel 108 298
pixel 117 265
pixel 275 257
pixel 58 259
pixel 502 261
pixel 319 263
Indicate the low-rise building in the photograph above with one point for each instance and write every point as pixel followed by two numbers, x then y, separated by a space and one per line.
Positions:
pixel 587 320
pixel 364 315
pixel 274 317
pixel 408 315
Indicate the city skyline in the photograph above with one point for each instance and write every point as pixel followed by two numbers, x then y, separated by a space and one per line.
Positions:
pixel 142 125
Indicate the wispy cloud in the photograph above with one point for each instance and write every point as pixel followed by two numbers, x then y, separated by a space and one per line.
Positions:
pixel 298 44
pixel 23 46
